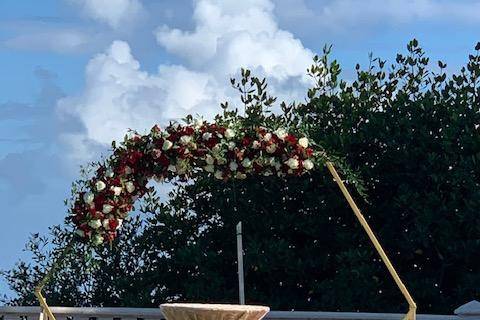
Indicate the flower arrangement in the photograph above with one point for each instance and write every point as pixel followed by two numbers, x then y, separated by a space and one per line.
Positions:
pixel 183 151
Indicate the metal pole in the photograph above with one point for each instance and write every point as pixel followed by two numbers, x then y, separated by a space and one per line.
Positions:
pixel 241 281
pixel 411 315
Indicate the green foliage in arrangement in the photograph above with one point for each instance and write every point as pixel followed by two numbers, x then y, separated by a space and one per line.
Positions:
pixel 411 133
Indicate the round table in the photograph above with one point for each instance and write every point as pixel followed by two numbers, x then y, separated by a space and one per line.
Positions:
pixel 201 311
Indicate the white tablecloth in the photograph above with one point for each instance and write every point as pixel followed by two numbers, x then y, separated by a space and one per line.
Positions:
pixel 200 311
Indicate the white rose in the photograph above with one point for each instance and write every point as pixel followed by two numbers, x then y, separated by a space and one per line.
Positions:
pixel 246 163
pixel 217 148
pixel 95 224
pixel 172 168
pixel 231 145
pixel 308 164
pixel 241 176
pixel 100 185
pixel 233 166
pixel 116 190
pixel 229 133
pixel 267 136
pixel 256 144
pixel 107 208
pixel 198 123
pixel 106 224
pixel 97 239
pixel 167 144
pixel 209 159
pixel 292 163
pixel 128 170
pixel 271 148
pixel 218 174
pixel 303 142
pixel 281 133
pixel 185 139
pixel 209 168
pixel 130 186
pixel 206 136
pixel 109 173
pixel 88 197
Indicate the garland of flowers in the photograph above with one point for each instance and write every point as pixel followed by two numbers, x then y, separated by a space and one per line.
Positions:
pixel 181 151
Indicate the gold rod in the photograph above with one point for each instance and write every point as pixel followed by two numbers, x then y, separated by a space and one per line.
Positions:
pixel 38 289
pixel 43 304
pixel 411 315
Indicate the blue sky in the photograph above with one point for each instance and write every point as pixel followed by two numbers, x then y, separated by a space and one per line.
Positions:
pixel 75 74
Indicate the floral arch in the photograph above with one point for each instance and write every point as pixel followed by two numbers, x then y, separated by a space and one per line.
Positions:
pixel 225 150
pixel 182 151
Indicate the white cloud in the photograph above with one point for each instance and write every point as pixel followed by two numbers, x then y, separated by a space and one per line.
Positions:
pixel 227 36
pixel 119 96
pixel 60 40
pixel 348 16
pixel 116 13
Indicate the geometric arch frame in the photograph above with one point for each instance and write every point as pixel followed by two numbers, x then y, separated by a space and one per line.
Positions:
pixel 285 151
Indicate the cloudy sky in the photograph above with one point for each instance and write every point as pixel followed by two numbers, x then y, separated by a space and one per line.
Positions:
pixel 75 74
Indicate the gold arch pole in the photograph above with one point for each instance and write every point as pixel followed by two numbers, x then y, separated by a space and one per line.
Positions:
pixel 38 289
pixel 411 314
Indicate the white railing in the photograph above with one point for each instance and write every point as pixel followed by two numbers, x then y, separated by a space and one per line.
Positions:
pixel 469 311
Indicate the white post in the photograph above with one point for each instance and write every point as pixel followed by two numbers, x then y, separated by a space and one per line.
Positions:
pixel 241 283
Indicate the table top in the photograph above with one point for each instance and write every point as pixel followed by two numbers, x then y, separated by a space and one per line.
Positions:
pixel 203 311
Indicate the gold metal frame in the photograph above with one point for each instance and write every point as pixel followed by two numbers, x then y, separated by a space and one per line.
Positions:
pixel 411 314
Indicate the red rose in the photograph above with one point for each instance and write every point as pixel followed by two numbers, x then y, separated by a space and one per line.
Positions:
pixel 246 141
pixel 112 224
pixel 291 139
pixel 163 160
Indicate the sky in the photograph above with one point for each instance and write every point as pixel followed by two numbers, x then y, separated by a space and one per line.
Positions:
pixel 76 74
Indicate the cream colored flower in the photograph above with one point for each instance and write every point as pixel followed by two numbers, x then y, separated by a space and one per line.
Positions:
pixel 167 144
pixel 185 139
pixel 130 186
pixel 116 190
pixel 95 224
pixel 88 197
pixel 271 148
pixel 209 159
pixel 233 166
pixel 281 133
pixel 247 163
pixel 218 174
pixel 303 142
pixel 107 208
pixel 292 163
pixel 229 133
pixel 308 164
pixel 100 185
pixel 97 239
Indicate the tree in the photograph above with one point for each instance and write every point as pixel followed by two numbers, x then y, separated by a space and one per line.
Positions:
pixel 413 136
